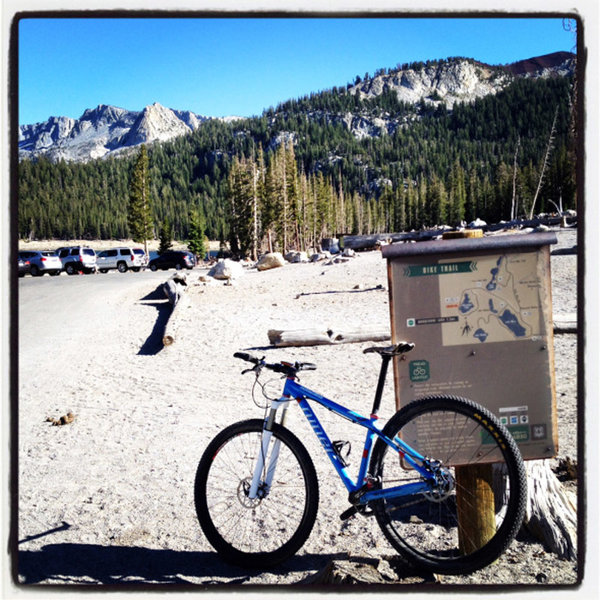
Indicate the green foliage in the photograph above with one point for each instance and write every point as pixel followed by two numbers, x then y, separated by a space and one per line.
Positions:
pixel 257 192
pixel 139 217
pixel 165 236
pixel 242 208
pixel 196 241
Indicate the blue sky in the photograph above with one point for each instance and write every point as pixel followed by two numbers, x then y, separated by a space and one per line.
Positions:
pixel 220 67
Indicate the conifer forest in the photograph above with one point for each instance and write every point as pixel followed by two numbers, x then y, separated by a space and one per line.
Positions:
pixel 296 174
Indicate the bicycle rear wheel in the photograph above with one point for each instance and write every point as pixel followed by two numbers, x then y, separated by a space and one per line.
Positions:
pixel 268 529
pixel 432 529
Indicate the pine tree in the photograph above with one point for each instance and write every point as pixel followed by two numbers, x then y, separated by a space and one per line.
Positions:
pixel 139 217
pixel 294 213
pixel 196 244
pixel 165 236
pixel 241 206
pixel 457 196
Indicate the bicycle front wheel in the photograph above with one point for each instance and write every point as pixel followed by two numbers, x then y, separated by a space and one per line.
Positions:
pixel 469 517
pixel 268 529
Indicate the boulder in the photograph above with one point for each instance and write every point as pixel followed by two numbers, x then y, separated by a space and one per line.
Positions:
pixel 477 223
pixel 270 260
pixel 318 256
pixel 226 269
pixel 330 245
pixel 296 257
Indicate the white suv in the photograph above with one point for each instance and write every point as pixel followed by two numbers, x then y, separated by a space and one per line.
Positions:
pixel 142 255
pixel 121 259
pixel 77 258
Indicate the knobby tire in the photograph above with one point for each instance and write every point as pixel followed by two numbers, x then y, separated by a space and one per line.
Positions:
pixel 264 532
pixel 425 530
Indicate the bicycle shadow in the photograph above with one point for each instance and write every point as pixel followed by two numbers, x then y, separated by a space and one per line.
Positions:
pixel 71 563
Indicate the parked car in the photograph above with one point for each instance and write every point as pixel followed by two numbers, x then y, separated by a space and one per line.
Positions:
pixel 192 258
pixel 143 256
pixel 24 266
pixel 42 261
pixel 77 258
pixel 121 259
pixel 172 259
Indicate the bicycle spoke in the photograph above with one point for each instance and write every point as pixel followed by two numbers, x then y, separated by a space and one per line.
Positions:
pixel 274 523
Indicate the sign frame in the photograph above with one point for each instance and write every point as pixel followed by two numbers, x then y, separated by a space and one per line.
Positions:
pixel 480 313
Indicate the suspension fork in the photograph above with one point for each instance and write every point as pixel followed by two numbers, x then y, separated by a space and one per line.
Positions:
pixel 264 450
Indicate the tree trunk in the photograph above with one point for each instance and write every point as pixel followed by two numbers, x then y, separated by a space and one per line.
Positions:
pixel 544 165
pixel 513 208
pixel 551 514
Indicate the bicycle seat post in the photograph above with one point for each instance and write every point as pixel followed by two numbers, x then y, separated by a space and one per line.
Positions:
pixel 385 360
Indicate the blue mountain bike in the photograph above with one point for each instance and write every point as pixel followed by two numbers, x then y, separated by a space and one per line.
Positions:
pixel 257 493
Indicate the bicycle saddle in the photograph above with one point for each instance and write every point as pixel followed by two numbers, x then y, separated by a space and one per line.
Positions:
pixel 394 350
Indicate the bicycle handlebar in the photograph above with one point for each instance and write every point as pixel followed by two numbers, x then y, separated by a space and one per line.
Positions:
pixel 288 369
pixel 247 357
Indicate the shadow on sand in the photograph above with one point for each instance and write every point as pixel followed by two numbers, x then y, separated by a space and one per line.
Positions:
pixel 154 344
pixel 119 565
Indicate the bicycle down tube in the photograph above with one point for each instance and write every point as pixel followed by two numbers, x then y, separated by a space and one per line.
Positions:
pixel 293 390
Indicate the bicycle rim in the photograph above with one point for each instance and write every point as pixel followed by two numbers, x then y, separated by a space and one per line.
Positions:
pixel 262 531
pixel 446 530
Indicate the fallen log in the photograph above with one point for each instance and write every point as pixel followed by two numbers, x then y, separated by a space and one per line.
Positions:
pixel 565 323
pixel 174 287
pixel 175 290
pixel 551 514
pixel 317 337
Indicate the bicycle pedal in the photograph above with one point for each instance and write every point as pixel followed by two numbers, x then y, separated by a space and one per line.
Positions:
pixel 350 512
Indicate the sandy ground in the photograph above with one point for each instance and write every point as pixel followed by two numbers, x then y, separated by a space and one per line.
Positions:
pixel 108 498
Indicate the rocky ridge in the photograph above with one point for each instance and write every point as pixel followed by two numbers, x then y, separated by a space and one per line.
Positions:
pixel 452 81
pixel 446 83
pixel 104 130
pixel 108 130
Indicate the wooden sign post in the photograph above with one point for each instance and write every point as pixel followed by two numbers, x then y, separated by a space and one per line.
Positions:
pixel 478 310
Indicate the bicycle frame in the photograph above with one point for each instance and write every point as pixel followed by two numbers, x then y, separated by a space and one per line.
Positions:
pixel 294 391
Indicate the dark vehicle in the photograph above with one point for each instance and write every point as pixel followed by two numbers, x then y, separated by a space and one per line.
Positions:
pixel 24 266
pixel 42 261
pixel 192 258
pixel 172 259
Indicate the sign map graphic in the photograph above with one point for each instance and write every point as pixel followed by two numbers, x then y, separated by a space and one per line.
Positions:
pixel 497 299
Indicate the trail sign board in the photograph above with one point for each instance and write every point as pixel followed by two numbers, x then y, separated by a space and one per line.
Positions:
pixel 480 313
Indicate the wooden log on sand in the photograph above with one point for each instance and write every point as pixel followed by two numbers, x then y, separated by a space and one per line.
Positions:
pixel 175 289
pixel 565 323
pixel 316 337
